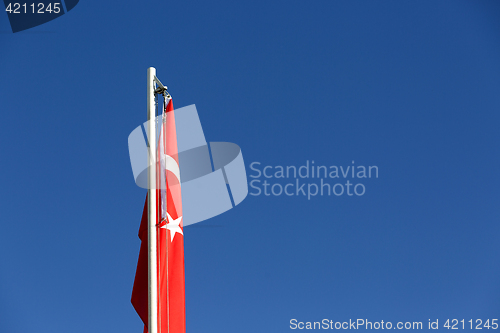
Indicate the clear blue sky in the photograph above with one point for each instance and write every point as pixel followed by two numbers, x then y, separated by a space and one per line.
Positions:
pixel 412 87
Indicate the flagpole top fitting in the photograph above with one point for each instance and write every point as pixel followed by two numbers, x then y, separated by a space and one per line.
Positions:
pixel 161 91
pixel 160 88
pixel 164 92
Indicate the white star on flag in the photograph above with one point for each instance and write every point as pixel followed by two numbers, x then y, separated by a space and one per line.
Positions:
pixel 173 226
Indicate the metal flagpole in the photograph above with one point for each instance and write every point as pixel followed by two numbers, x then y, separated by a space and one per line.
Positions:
pixel 152 277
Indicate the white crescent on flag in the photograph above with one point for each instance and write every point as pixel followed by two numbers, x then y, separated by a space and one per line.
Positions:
pixel 171 165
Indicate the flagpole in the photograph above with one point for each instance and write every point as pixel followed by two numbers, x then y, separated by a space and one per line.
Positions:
pixel 152 274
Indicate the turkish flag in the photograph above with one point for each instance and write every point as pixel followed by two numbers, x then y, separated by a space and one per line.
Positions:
pixel 169 238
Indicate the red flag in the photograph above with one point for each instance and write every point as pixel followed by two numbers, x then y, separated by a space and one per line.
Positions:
pixel 169 237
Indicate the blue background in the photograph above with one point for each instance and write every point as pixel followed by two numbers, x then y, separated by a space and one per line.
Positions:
pixel 412 87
